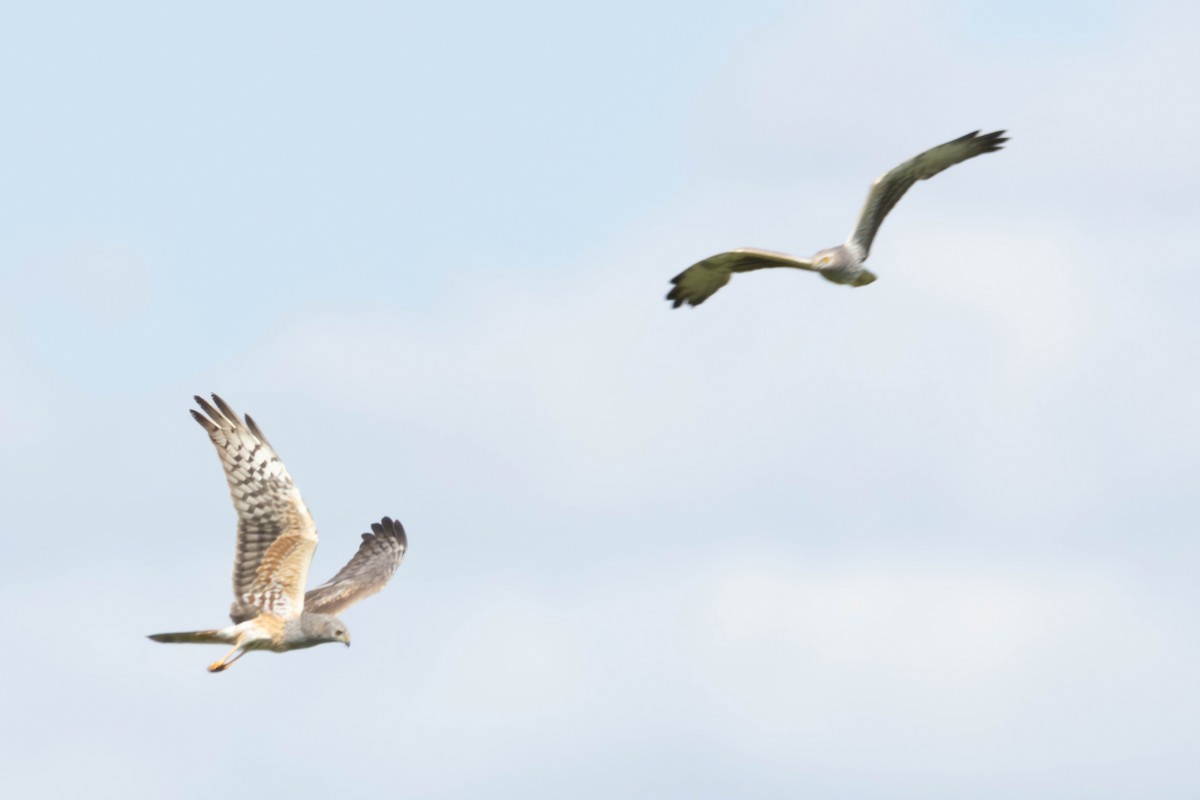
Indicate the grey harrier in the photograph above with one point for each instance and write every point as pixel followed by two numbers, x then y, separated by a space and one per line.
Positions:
pixel 275 542
pixel 844 263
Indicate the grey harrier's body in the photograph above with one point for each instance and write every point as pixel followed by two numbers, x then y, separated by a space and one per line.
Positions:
pixel 844 263
pixel 275 543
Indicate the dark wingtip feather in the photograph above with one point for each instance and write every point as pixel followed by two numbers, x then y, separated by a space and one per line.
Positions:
pixel 386 527
pixel 993 141
pixel 393 529
pixel 254 429
pixel 203 420
pixel 213 414
pixel 226 411
pixel 676 294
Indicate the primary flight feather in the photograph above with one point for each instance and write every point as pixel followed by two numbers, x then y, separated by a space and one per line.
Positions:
pixel 843 263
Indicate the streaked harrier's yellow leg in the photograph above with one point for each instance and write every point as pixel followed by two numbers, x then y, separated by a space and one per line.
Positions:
pixel 226 662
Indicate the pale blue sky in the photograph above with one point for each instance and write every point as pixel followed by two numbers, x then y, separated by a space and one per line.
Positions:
pixel 933 538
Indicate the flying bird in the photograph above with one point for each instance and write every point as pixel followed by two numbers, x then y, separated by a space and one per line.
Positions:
pixel 844 263
pixel 276 538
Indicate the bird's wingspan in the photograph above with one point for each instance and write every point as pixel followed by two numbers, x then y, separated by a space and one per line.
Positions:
pixel 701 280
pixel 276 536
pixel 891 186
pixel 370 569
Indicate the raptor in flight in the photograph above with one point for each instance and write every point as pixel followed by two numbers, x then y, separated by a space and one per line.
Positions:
pixel 276 539
pixel 844 263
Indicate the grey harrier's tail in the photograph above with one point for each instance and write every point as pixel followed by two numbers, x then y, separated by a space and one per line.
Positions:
pixel 193 637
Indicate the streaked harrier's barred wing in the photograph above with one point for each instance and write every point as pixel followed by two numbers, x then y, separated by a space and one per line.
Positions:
pixel 276 535
pixel 891 186
pixel 377 559
pixel 699 281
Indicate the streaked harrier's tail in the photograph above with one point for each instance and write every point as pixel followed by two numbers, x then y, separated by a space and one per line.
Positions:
pixel 193 637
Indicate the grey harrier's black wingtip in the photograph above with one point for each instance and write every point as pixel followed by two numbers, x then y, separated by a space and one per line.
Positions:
pixel 676 295
pixel 989 142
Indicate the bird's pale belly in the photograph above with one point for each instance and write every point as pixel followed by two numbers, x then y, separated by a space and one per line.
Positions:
pixel 844 275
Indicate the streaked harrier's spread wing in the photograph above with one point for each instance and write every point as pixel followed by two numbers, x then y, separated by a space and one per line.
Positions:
pixel 276 535
pixel 699 281
pixel 377 559
pixel 891 186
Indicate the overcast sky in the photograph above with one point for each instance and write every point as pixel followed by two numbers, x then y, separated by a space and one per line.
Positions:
pixel 932 538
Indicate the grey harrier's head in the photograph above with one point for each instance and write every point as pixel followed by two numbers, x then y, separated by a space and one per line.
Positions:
pixel 833 258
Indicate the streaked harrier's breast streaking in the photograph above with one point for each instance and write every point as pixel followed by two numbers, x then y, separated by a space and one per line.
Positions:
pixel 844 263
pixel 276 538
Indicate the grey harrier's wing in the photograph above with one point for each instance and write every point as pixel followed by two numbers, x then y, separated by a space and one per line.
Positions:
pixel 699 281
pixel 377 559
pixel 891 186
pixel 276 536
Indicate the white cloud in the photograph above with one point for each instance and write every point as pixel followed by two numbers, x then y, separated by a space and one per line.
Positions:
pixel 916 626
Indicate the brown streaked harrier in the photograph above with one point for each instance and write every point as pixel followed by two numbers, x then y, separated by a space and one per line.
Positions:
pixel 844 263
pixel 275 542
